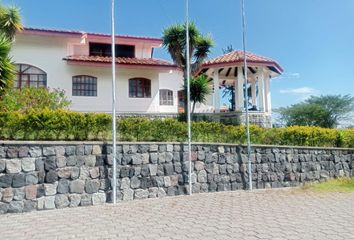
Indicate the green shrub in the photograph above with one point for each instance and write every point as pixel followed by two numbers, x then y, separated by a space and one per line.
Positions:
pixel 102 127
pixel 134 129
pixel 54 124
pixel 27 99
pixel 168 130
pixel 11 125
pixel 65 125
pixel 310 136
pixel 348 137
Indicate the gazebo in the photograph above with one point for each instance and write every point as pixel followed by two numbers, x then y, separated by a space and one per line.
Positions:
pixel 228 71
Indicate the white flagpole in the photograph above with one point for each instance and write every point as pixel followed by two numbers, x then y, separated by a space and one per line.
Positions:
pixel 246 95
pixel 114 134
pixel 188 100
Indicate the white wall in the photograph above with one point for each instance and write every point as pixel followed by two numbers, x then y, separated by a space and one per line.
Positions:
pixel 171 81
pixel 206 107
pixel 47 53
pixel 102 103
pixel 143 50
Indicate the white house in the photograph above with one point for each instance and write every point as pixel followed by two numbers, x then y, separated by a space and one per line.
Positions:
pixel 80 64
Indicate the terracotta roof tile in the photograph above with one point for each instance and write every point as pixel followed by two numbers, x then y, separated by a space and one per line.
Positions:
pixel 237 57
pixel 74 32
pixel 122 60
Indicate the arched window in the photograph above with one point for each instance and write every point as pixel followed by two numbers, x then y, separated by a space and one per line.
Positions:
pixel 166 97
pixel 139 88
pixel 84 85
pixel 29 76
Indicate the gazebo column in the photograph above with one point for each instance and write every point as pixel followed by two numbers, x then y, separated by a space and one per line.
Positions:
pixel 239 89
pixel 254 92
pixel 216 97
pixel 268 105
pixel 260 76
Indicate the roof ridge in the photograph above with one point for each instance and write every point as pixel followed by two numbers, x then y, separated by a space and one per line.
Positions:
pixel 239 52
pixel 122 60
pixel 237 56
pixel 88 33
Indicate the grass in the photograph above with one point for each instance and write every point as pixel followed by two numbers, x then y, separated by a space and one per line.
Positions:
pixel 333 185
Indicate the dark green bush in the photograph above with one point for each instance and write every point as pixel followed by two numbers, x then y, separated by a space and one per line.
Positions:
pixel 65 125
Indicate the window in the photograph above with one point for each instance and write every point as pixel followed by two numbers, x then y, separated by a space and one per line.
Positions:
pixel 84 86
pixel 105 50
pixel 166 97
pixel 181 100
pixel 139 88
pixel 29 76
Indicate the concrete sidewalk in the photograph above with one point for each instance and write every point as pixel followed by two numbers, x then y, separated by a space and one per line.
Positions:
pixel 262 214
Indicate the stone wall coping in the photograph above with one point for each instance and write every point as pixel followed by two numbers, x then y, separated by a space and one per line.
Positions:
pixel 56 143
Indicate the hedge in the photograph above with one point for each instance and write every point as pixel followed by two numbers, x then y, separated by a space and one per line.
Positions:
pixel 54 125
pixel 66 125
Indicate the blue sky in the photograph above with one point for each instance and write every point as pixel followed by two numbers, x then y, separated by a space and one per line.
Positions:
pixel 313 40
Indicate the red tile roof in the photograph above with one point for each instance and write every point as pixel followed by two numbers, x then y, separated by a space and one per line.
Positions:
pixel 236 57
pixel 153 62
pixel 81 33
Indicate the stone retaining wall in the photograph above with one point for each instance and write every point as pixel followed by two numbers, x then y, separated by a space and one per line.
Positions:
pixel 49 175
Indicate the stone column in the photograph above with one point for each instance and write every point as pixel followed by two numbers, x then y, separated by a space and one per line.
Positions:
pixel 216 97
pixel 239 89
pixel 260 76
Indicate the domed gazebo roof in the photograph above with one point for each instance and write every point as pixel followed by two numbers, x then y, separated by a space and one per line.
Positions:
pixel 236 58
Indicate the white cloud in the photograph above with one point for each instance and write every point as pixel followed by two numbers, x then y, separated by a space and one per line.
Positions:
pixel 288 76
pixel 300 91
pixel 293 75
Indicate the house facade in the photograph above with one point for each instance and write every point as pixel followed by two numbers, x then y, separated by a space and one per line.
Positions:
pixel 80 64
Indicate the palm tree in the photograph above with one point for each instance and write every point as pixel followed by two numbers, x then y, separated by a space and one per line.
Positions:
pixel 7 68
pixel 10 23
pixel 174 40
pixel 200 89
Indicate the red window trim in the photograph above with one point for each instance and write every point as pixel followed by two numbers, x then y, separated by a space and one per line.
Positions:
pixel 145 88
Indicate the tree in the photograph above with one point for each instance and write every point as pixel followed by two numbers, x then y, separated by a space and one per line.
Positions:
pixel 200 89
pixel 28 99
pixel 174 40
pixel 7 68
pixel 10 22
pixel 324 111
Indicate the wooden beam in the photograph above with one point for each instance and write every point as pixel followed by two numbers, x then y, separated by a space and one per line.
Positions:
pixel 235 73
pixel 204 71
pixel 252 70
pixel 228 72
